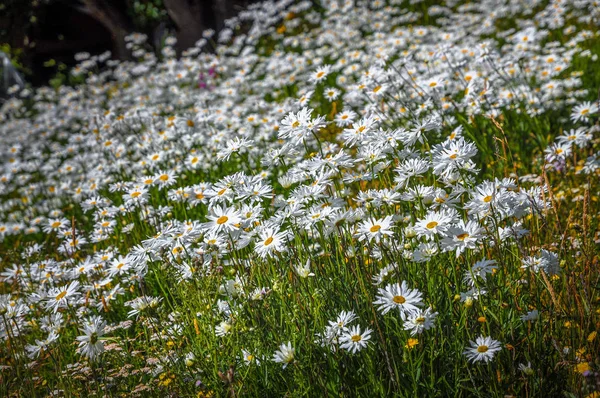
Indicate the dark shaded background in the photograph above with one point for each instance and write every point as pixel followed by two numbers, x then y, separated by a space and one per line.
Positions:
pixel 41 30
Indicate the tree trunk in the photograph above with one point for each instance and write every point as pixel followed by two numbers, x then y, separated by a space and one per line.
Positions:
pixel 223 9
pixel 188 17
pixel 114 21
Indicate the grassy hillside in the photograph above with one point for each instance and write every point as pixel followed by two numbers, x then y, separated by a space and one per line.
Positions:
pixel 368 198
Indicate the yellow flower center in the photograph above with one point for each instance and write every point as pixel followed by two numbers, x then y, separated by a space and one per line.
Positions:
pixel 375 228
pixel 482 348
pixel 296 124
pixel 487 199
pixel 61 295
pixel 462 236
pixel 399 299
pixel 56 224
pixel 222 220
pixel 420 320
pixel 164 177
pixel 269 241
pixel 431 225
pixel 356 338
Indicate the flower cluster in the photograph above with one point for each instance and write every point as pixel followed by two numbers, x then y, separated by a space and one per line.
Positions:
pixel 348 156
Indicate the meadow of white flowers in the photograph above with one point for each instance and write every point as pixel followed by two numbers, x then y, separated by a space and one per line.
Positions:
pixel 345 198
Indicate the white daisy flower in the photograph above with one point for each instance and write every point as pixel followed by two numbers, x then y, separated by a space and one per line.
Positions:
pixel 285 354
pixel 482 349
pixel 353 340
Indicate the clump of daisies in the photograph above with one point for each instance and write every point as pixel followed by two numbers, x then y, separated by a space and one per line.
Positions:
pixel 196 221
pixel 340 334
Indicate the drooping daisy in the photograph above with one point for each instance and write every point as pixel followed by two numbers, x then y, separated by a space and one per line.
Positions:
pixel 482 349
pixel 34 350
pixel 526 369
pixel 285 354
pixel 532 315
pixel 303 271
pixel 190 359
pixel 90 344
pixel 481 269
pixel 223 328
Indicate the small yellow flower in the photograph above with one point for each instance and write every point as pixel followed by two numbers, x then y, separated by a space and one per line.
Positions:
pixel 592 336
pixel 582 367
pixel 481 319
pixel 411 343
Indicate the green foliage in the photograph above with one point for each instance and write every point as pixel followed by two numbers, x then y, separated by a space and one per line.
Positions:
pixel 147 13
